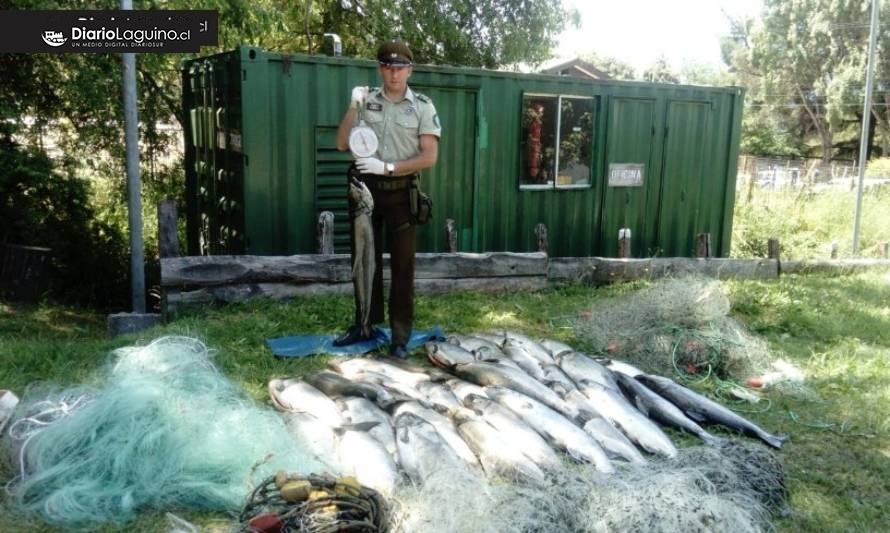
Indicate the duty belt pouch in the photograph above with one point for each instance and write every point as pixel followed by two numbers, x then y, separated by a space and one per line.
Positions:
pixel 421 204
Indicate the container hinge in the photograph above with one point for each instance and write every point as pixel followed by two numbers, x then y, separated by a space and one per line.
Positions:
pixel 286 61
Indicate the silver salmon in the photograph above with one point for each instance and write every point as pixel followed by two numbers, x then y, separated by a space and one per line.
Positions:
pixel 363 266
pixel 559 431
pixel 493 374
pixel 612 406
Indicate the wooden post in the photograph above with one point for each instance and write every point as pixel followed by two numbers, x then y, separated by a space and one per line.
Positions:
pixel 752 178
pixel 772 247
pixel 451 235
pixel 834 248
pixel 168 237
pixel 624 243
pixel 541 234
pixel 703 245
pixel 883 249
pixel 325 232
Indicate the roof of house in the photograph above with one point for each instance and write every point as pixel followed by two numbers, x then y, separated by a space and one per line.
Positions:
pixel 579 68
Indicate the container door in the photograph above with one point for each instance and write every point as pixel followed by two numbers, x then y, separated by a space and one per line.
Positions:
pixel 330 184
pixel 214 163
pixel 451 182
pixel 631 183
pixel 687 148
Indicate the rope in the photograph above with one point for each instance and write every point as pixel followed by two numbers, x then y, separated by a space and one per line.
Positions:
pixel 720 385
pixel 735 402
pixel 838 429
pixel 331 507
pixel 28 427
pixel 684 376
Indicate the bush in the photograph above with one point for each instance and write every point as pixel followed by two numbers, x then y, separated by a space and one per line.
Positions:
pixel 43 206
pixel 878 168
pixel 807 222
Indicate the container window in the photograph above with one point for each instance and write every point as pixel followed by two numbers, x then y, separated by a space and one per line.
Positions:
pixel 575 141
pixel 548 122
pixel 538 149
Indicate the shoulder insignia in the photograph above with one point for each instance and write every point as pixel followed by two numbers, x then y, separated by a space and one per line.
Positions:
pixel 422 97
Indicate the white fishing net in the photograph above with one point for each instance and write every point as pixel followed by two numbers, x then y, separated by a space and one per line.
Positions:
pixel 706 489
pixel 679 324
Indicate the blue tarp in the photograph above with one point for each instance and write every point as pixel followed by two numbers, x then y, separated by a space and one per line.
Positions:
pixel 303 345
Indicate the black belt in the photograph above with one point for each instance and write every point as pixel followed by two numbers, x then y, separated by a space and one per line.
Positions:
pixel 384 183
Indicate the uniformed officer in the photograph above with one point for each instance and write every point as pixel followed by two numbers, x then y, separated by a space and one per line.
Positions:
pixel 408 131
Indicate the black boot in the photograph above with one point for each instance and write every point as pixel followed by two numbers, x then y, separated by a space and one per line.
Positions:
pixel 352 335
pixel 398 351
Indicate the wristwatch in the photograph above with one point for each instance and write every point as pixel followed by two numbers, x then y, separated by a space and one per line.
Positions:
pixel 390 168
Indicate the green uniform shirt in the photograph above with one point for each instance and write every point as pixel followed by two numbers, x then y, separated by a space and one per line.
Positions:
pixel 399 125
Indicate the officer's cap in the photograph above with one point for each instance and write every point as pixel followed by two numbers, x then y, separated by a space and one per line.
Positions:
pixel 394 53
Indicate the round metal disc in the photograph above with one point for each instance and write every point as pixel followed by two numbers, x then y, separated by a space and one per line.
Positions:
pixel 362 141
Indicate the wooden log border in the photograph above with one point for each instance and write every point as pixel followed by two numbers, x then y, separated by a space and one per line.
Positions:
pixel 205 271
pixel 188 281
pixel 833 267
pixel 602 270
pixel 175 300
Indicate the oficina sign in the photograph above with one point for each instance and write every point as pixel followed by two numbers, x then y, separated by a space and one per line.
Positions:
pixel 626 174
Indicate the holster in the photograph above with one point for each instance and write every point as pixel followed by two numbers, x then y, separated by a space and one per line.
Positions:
pixel 421 204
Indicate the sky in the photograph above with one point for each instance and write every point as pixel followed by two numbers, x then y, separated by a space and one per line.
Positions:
pixel 639 31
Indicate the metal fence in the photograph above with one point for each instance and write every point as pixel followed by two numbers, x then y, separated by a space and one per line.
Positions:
pixel 24 272
pixel 783 172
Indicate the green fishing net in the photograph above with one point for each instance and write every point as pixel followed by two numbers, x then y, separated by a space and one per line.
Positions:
pixel 164 430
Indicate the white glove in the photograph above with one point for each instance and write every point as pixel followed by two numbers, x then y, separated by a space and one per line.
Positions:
pixel 359 95
pixel 370 165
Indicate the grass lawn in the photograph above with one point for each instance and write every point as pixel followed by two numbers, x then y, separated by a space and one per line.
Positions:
pixel 836 329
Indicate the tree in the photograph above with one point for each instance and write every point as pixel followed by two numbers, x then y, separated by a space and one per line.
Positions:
pixel 41 205
pixel 72 101
pixel 615 68
pixel 765 132
pixel 810 63
pixel 660 72
pixel 881 110
pixel 476 33
pixel 695 73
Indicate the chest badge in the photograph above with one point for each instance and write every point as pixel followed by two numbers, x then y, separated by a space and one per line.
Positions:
pixel 374 106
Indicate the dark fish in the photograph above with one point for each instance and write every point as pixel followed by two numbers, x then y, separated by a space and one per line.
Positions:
pixel 657 408
pixel 703 409
pixel 333 384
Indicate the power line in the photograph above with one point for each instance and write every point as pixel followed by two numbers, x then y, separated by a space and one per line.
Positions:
pixel 815 105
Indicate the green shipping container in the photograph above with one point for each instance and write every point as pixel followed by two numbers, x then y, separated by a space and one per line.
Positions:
pixel 584 157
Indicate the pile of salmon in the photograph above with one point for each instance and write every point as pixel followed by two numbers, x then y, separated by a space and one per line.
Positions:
pixel 494 404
